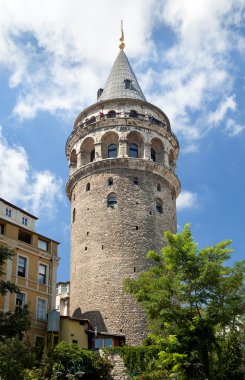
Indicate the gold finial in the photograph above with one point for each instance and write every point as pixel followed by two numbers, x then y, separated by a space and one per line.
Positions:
pixel 122 44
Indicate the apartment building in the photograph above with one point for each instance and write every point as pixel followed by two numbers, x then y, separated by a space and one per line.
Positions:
pixel 33 268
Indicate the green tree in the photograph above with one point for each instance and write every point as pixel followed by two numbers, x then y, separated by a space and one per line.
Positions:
pixel 14 358
pixel 6 286
pixel 191 299
pixel 15 324
pixel 12 324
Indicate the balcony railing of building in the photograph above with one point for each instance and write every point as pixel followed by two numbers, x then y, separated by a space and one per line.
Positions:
pixel 122 115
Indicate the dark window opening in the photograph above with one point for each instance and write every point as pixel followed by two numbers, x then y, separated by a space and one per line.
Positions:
pixel 88 187
pixel 158 187
pixel 24 236
pixel 111 114
pixel 87 233
pixel 111 201
pixel 86 248
pixel 128 84
pixel 134 269
pixel 112 150
pixel 153 155
pixel 159 206
pixel 22 261
pixel 133 150
pixel 133 114
pixel 99 92
pixel 102 247
pixel 91 120
pixel 110 181
pixel 136 181
pixel 1 229
pixel 74 341
pixel 42 275
pixel 8 212
pixel 137 227
pixel 20 299
pixel 92 155
pixel 74 197
pixel 73 215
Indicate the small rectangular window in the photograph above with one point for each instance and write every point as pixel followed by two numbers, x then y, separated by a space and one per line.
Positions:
pixel 24 236
pixel 22 261
pixel 41 309
pixel 98 343
pixel 8 212
pixel 42 244
pixel 24 220
pixel 42 274
pixel 20 299
pixel 1 229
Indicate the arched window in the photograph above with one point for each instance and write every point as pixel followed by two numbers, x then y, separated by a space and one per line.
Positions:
pixel 159 206
pixel 112 150
pixel 88 187
pixel 73 215
pixel 153 154
pixel 136 181
pixel 110 181
pixel 158 187
pixel 133 150
pixel 91 120
pixel 111 114
pixel 92 155
pixel 111 200
pixel 133 113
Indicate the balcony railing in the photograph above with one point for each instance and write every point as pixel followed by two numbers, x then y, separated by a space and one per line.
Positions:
pixel 122 115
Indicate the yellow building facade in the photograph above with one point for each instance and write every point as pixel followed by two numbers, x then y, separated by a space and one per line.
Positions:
pixel 33 268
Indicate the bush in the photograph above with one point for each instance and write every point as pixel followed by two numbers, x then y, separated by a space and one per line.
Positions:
pixel 66 355
pixel 137 359
pixel 15 356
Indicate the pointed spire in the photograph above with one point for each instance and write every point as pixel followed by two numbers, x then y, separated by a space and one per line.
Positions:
pixel 122 44
pixel 122 82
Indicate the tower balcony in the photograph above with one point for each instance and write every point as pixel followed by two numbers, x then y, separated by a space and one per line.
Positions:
pixel 124 119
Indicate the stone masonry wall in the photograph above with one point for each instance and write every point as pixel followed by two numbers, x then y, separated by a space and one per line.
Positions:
pixel 109 245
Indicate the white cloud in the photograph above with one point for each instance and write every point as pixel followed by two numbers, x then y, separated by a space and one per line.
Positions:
pixel 186 200
pixel 37 192
pixel 223 108
pixel 234 128
pixel 59 53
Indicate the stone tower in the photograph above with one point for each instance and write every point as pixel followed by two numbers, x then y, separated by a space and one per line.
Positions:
pixel 123 188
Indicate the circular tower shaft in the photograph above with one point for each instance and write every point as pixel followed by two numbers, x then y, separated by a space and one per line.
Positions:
pixel 123 188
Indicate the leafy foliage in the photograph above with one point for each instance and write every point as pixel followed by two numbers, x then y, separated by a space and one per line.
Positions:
pixel 136 359
pixel 14 358
pixel 90 362
pixel 15 324
pixel 6 286
pixel 191 299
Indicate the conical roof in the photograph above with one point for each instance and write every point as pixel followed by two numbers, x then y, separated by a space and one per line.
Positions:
pixel 122 82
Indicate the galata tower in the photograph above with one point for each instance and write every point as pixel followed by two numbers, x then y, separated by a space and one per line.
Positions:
pixel 122 188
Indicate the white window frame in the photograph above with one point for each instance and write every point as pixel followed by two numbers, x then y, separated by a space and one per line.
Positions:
pixel 47 271
pixel 45 311
pixel 8 212
pixel 25 299
pixel 24 220
pixel 42 241
pixel 27 265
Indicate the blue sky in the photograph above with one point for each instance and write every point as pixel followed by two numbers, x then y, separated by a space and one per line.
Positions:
pixel 188 57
